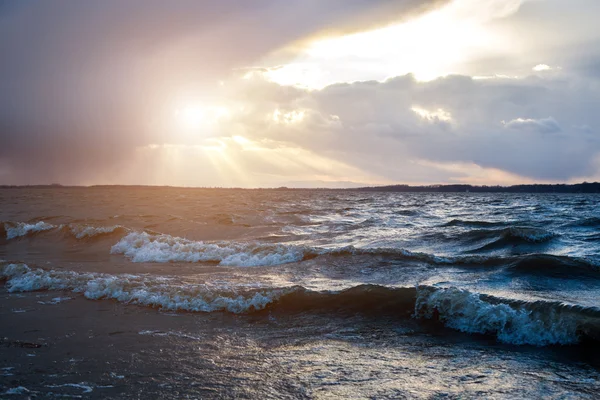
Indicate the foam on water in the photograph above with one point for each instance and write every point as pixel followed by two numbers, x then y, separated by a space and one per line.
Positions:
pixel 538 323
pixel 14 230
pixel 79 231
pixel 87 231
pixel 161 292
pixel 144 247
pixel 17 390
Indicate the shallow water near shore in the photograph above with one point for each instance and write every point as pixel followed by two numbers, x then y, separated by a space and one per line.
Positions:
pixel 165 292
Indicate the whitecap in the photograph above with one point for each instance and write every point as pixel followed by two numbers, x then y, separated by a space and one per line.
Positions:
pixel 160 292
pixel 19 229
pixel 539 325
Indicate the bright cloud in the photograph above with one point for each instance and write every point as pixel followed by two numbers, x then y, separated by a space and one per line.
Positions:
pixel 438 43
pixel 438 115
pixel 299 92
pixel 543 125
pixel 541 67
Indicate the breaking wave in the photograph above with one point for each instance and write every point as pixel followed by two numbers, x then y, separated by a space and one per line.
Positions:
pixel 87 231
pixel 79 231
pixel 161 248
pixel 161 292
pixel 538 323
pixel 19 229
pixel 146 247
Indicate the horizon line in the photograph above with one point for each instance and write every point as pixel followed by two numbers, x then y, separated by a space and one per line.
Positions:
pixel 283 187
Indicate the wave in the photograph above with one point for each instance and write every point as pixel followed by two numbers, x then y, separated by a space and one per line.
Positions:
pixel 162 248
pixel 591 222
pixel 538 323
pixel 407 213
pixel 468 223
pixel 20 229
pixel 228 219
pixel 87 231
pixel 169 293
pixel 550 265
pixel 155 247
pixel 15 230
pixel 160 292
pixel 146 247
pixel 509 237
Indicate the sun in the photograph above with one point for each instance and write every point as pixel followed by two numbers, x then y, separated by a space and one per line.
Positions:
pixel 190 116
pixel 193 117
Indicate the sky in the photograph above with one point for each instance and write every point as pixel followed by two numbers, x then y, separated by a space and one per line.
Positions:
pixel 302 93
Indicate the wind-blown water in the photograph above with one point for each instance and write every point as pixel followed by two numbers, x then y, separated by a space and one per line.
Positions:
pixel 508 269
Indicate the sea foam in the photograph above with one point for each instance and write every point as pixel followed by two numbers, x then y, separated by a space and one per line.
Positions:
pixel 87 231
pixel 79 231
pixel 161 292
pixel 537 323
pixel 145 247
pixel 14 230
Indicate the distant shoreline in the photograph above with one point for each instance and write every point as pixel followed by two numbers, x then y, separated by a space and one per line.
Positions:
pixel 584 187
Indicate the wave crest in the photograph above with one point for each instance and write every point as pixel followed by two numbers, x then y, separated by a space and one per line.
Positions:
pixel 79 231
pixel 161 292
pixel 20 229
pixel 88 231
pixel 508 237
pixel 537 323
pixel 145 247
pixel 472 223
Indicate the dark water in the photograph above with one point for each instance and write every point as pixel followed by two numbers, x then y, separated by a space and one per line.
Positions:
pixel 298 294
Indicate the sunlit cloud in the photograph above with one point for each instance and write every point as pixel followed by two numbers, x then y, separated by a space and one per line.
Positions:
pixel 341 91
pixel 193 116
pixel 289 117
pixel 439 115
pixel 541 67
pixel 439 43
pixel 543 125
pixel 302 75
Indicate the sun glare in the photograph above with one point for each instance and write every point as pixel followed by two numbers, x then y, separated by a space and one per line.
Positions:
pixel 436 44
pixel 288 118
pixel 190 116
pixel 194 116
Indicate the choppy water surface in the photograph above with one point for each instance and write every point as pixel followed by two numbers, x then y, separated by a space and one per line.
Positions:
pixel 300 293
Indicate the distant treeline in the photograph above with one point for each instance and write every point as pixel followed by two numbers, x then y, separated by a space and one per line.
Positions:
pixel 584 187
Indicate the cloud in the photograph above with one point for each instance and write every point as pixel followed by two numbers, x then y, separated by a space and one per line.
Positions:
pixel 542 125
pixel 390 128
pixel 541 67
pixel 90 93
pixel 85 83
